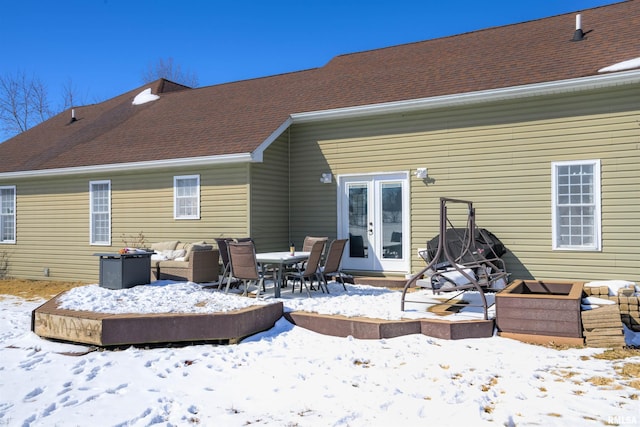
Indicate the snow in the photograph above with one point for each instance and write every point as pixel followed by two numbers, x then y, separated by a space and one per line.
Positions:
pixel 621 66
pixel 144 97
pixel 170 297
pixel 290 376
pixel 159 297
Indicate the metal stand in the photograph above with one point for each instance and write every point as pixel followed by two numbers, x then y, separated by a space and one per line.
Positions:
pixel 487 269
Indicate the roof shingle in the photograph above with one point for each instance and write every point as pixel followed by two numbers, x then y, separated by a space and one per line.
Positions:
pixel 237 117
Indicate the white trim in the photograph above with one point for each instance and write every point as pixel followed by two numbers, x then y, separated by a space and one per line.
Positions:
pixel 597 190
pixel 122 167
pixel 258 152
pixel 513 92
pixel 15 213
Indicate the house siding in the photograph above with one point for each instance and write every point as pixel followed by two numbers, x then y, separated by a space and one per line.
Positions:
pixel 270 198
pixel 313 206
pixel 497 155
pixel 53 217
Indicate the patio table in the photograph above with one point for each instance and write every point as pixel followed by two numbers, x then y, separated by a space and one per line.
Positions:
pixel 279 260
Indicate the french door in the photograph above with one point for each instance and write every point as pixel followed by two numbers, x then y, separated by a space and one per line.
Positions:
pixel 373 215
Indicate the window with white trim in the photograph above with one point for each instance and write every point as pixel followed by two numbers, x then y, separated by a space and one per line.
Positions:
pixel 100 212
pixel 186 197
pixel 576 205
pixel 7 214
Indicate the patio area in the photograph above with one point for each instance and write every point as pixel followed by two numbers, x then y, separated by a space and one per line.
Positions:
pixel 168 312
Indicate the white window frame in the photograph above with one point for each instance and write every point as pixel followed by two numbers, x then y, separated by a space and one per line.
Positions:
pixel 8 214
pixel 103 210
pixel 594 204
pixel 178 198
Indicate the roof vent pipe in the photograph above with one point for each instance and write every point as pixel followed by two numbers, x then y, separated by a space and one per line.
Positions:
pixel 73 116
pixel 578 34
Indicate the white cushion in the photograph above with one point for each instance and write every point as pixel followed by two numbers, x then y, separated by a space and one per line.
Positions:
pixel 173 254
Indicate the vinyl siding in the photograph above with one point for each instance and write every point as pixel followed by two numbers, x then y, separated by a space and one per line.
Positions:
pixel 313 204
pixel 53 217
pixel 270 198
pixel 499 157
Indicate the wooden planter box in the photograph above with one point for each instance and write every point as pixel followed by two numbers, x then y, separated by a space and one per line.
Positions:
pixel 540 311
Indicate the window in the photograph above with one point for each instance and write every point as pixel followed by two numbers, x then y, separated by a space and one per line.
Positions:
pixel 8 214
pixel 186 197
pixel 100 212
pixel 576 205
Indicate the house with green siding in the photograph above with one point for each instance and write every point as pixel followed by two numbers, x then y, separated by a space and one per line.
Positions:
pixel 537 123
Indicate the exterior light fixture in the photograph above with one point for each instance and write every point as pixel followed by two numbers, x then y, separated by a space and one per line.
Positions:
pixel 421 173
pixel 325 178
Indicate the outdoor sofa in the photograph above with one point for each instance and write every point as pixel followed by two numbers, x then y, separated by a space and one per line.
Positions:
pixel 194 262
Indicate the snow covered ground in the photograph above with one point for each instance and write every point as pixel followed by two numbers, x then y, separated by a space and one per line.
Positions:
pixel 289 376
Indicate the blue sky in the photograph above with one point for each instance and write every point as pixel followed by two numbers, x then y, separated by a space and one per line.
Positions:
pixel 103 46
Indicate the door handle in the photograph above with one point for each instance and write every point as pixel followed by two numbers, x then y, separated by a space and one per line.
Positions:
pixel 370 229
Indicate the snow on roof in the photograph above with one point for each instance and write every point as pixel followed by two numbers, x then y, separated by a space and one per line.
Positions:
pixel 144 97
pixel 621 66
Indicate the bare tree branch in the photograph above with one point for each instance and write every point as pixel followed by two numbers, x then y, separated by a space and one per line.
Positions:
pixel 71 96
pixel 23 102
pixel 39 99
pixel 167 69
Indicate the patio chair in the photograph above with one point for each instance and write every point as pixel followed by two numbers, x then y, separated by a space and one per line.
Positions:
pixel 244 267
pixel 244 239
pixel 311 269
pixel 331 267
pixel 224 256
pixel 310 240
pixel 307 244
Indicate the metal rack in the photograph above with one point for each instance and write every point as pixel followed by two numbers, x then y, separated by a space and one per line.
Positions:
pixel 480 270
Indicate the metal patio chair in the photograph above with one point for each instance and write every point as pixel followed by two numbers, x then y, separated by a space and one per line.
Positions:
pixel 331 267
pixel 310 271
pixel 244 267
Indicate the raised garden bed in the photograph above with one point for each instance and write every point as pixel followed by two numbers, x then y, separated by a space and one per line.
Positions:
pixel 540 311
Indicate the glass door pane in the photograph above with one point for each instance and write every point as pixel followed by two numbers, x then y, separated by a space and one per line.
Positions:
pixel 358 220
pixel 391 199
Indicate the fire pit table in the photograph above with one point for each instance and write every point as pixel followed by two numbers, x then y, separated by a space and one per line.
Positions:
pixel 121 271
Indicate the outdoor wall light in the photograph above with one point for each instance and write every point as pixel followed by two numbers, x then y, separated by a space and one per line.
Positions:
pixel 325 178
pixel 421 173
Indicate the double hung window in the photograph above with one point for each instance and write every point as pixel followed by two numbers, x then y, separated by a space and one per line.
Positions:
pixel 186 197
pixel 576 205
pixel 7 214
pixel 100 212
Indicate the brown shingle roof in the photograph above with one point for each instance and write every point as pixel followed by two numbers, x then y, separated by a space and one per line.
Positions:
pixel 237 117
